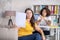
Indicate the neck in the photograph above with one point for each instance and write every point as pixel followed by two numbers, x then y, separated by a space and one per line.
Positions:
pixel 43 16
pixel 28 20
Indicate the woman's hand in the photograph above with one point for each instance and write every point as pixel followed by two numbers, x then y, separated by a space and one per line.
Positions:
pixel 15 26
pixel 37 28
pixel 43 37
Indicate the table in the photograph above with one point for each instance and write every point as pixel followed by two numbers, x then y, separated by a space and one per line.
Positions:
pixel 56 29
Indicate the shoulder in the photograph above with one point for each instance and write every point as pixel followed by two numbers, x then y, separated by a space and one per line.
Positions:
pixel 49 18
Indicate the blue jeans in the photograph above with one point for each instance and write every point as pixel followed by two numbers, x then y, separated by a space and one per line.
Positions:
pixel 35 36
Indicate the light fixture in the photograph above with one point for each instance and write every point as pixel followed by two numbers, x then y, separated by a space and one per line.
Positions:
pixel 10 13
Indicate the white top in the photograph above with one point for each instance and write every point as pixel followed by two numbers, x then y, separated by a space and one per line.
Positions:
pixel 43 22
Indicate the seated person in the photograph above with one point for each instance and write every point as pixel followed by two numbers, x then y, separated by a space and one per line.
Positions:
pixel 27 32
pixel 44 19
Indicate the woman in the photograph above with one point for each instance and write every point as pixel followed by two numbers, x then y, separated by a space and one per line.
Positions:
pixel 27 32
pixel 44 19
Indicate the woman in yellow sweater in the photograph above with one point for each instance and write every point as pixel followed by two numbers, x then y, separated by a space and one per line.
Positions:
pixel 27 32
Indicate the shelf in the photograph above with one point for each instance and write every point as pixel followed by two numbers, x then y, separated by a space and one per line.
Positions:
pixel 54 9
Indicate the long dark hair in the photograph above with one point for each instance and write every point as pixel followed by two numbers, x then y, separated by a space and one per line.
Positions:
pixel 47 11
pixel 32 21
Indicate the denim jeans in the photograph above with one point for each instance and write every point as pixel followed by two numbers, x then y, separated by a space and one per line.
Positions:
pixel 34 36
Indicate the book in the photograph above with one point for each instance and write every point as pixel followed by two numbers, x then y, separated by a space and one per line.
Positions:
pixel 37 9
pixel 56 9
pixel 49 7
pixel 46 6
pixel 20 19
pixel 43 6
pixel 59 10
pixel 52 9
pixel 40 7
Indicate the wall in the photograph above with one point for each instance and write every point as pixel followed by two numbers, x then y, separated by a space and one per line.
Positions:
pixel 21 5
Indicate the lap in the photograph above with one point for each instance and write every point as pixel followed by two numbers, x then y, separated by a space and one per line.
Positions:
pixel 30 37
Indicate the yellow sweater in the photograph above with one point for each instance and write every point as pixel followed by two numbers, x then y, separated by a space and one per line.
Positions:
pixel 25 31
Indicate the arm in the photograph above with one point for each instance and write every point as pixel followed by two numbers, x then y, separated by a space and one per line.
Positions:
pixel 37 22
pixel 48 22
pixel 40 31
pixel 15 26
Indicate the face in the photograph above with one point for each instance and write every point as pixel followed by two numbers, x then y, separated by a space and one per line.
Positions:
pixel 28 14
pixel 44 13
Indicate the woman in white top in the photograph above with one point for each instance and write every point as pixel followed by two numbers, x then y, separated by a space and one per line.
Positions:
pixel 44 19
